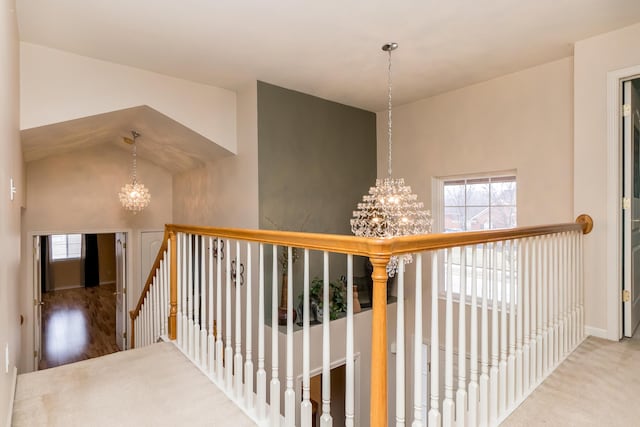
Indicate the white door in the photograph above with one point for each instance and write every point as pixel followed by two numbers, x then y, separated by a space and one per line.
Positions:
pixel 150 242
pixel 121 290
pixel 631 224
pixel 37 304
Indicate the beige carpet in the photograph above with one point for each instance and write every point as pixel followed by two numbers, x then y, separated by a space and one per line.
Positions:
pixel 597 385
pixel 151 386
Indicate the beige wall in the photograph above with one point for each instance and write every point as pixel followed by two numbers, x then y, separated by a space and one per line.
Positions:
pixel 65 274
pixel 57 86
pixel 11 166
pixel 594 58
pixel 520 121
pixel 78 192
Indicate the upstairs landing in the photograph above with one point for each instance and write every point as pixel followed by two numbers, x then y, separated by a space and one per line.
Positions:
pixel 150 386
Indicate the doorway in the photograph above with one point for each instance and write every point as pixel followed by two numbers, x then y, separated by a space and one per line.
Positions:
pixel 630 131
pixel 79 283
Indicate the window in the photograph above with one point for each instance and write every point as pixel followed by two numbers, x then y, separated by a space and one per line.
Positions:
pixel 473 203
pixel 66 246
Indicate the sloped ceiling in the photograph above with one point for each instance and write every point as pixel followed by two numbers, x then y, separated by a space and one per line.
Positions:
pixel 163 141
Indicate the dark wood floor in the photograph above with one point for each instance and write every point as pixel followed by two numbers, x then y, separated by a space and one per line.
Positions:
pixel 78 324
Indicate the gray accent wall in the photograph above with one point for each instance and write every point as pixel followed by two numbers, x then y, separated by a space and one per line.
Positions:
pixel 316 158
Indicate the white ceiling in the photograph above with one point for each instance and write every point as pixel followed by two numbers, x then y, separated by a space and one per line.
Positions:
pixel 328 48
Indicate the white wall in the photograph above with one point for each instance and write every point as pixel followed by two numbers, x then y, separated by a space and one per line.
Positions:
pixel 78 192
pixel 57 86
pixel 224 193
pixel 11 166
pixel 594 58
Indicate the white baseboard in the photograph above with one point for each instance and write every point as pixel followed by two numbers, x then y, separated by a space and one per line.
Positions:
pixel 110 282
pixel 596 332
pixel 12 396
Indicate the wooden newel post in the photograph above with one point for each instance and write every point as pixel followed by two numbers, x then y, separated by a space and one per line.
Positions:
pixel 378 408
pixel 133 329
pixel 173 285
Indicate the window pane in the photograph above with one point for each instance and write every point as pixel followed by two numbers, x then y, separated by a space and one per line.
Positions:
pixel 477 218
pixel 503 193
pixel 503 217
pixel 454 193
pixel 58 246
pixel 453 219
pixel 478 193
pixel 74 245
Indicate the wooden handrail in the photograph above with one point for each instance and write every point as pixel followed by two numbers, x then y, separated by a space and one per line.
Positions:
pixel 133 314
pixel 383 247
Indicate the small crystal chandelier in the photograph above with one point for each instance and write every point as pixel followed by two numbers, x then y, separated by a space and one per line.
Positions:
pixel 134 196
pixel 390 209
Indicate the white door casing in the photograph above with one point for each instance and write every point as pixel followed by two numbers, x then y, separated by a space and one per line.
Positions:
pixel 37 303
pixel 121 290
pixel 631 205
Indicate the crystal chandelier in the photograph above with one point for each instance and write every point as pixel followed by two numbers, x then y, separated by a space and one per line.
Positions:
pixel 134 196
pixel 390 209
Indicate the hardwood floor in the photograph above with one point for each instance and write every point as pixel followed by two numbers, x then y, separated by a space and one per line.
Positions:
pixel 78 324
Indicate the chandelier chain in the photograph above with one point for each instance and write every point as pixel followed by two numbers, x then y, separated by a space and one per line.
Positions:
pixel 133 173
pixel 390 119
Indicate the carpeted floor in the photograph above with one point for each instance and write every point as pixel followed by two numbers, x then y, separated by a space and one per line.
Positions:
pixel 597 385
pixel 151 386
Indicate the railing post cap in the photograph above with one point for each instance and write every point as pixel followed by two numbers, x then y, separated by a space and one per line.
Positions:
pixel 587 222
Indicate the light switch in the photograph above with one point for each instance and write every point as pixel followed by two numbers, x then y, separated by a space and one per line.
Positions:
pixel 12 189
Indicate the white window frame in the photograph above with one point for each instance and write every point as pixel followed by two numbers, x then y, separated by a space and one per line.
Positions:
pixel 439 220
pixel 66 256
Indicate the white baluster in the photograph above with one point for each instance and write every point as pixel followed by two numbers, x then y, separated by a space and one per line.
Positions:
pixel 218 332
pixel 326 420
pixel 275 382
pixel 261 375
pixel 434 412
pixel 580 274
pixel 574 293
pixel 161 305
pixel 565 293
pixel 179 257
pixel 511 358
pixel 289 394
pixel 494 372
pixel 196 299
pixel 248 364
pixel 167 288
pixel 185 293
pixel 417 347
pixel 211 344
pixel 305 405
pixel 448 404
pixel 525 300
pixel 204 359
pixel 541 302
pixel 472 419
pixel 237 358
pixel 555 283
pixel 520 273
pixel 400 415
pixel 484 342
pixel 190 294
pixel 461 393
pixel 228 350
pixel 533 373
pixel 349 400
pixel 502 385
pixel 545 304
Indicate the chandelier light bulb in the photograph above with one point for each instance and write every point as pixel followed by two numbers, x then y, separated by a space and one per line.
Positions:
pixel 390 209
pixel 134 196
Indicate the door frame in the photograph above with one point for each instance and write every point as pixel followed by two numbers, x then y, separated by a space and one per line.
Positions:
pixel 30 297
pixel 614 221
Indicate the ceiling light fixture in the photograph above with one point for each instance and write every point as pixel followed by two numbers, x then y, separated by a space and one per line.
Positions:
pixel 390 209
pixel 134 196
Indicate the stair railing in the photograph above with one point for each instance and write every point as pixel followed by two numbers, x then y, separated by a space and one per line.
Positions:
pixel 523 286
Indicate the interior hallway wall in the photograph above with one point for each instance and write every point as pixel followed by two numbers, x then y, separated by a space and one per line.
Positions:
pixel 11 167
